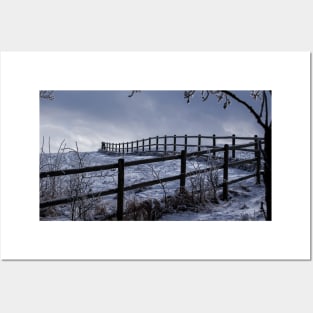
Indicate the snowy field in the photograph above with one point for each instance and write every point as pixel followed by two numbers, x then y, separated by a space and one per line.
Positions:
pixel 243 204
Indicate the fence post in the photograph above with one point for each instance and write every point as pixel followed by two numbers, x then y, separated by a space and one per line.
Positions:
pixel 174 144
pixel 149 143
pixel 214 144
pixel 186 139
pixel 157 143
pixel 182 170
pixel 199 143
pixel 123 148
pixel 120 190
pixel 137 146
pixel 255 145
pixel 165 144
pixel 119 147
pixel 233 144
pixel 143 145
pixel 225 173
pixel 132 146
pixel 258 160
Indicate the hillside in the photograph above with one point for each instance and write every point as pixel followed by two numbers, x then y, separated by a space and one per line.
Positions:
pixel 244 198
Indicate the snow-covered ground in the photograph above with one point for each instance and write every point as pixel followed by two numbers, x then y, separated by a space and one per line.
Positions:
pixel 244 197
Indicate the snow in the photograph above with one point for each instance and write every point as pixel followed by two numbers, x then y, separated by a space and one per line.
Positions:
pixel 243 204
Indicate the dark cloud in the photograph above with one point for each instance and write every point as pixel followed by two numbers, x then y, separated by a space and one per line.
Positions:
pixel 90 117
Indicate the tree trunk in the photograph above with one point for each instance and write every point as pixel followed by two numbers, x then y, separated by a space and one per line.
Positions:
pixel 268 171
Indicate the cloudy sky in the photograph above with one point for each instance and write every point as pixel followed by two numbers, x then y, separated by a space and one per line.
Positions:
pixel 90 117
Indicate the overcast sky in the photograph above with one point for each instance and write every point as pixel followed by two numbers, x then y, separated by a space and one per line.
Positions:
pixel 90 117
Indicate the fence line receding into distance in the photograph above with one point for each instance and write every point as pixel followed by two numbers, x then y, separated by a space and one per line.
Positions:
pixel 174 144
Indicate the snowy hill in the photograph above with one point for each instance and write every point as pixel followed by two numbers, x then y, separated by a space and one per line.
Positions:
pixel 244 198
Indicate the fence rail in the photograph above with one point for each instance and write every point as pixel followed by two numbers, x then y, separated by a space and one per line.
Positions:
pixel 175 144
pixel 182 156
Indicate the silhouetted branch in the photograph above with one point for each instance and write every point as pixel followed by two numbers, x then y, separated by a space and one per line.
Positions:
pixel 133 92
pixel 249 107
pixel 46 94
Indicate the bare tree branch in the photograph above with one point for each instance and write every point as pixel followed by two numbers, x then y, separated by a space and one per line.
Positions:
pixel 46 94
pixel 133 92
pixel 249 107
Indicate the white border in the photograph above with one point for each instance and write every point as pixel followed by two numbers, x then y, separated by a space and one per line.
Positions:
pixel 23 74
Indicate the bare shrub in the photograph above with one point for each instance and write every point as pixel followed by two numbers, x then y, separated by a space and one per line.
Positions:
pixel 51 187
pixel 205 181
pixel 156 174
pixel 146 210
pixel 197 183
pixel 212 179
pixel 73 186
pixel 180 201
pixel 49 212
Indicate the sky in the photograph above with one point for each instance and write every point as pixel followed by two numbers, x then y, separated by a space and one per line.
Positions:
pixel 90 117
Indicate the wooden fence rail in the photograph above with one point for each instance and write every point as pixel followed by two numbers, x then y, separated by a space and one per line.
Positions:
pixel 120 166
pixel 171 144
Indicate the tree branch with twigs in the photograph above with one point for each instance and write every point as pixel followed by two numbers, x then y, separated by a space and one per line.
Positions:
pixel 46 94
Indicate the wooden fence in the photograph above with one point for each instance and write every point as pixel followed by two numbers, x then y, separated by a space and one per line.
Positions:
pixel 175 144
pixel 182 156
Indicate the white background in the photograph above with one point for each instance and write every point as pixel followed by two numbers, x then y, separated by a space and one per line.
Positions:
pixel 161 286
